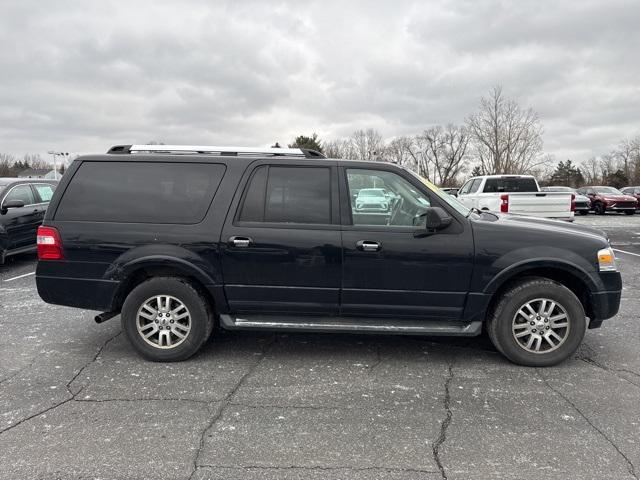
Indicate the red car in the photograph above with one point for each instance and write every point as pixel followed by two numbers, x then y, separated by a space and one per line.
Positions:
pixel 634 192
pixel 609 199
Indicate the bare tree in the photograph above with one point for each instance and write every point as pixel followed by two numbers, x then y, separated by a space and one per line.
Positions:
pixel 367 144
pixel 340 148
pixel 628 156
pixel 446 152
pixel 6 164
pixel 506 138
pixel 591 171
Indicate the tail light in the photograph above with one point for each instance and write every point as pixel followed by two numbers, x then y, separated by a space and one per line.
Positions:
pixel 49 244
pixel 504 203
pixel 573 202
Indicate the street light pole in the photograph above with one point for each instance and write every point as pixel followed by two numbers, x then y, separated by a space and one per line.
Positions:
pixel 55 164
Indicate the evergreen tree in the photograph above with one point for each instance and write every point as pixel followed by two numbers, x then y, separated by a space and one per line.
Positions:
pixel 312 142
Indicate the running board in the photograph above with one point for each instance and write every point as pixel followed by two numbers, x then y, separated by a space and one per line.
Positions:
pixel 351 324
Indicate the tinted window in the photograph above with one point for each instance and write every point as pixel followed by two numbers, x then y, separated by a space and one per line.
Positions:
pixel 253 206
pixel 140 192
pixel 298 195
pixel 513 184
pixel 22 193
pixel 288 195
pixel 45 191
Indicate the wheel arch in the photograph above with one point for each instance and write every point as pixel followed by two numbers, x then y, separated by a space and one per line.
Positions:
pixel 571 276
pixel 133 273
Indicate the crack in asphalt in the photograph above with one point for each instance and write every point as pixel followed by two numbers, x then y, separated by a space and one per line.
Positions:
pixel 84 367
pixel 630 466
pixel 606 368
pixel 169 399
pixel 19 371
pixel 72 395
pixel 587 357
pixel 442 436
pixel 293 407
pixel 317 468
pixel 378 359
pixel 226 401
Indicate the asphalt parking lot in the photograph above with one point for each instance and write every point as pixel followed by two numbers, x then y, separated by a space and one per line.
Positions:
pixel 77 403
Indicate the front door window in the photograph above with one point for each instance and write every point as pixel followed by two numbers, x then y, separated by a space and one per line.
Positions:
pixel 379 197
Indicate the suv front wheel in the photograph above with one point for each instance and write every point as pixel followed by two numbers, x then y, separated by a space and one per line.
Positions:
pixel 537 323
pixel 166 319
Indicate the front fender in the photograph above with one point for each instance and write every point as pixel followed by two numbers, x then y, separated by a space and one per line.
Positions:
pixel 521 260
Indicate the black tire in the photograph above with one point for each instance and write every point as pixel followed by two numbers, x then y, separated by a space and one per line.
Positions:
pixel 500 321
pixel 630 212
pixel 599 209
pixel 583 212
pixel 199 309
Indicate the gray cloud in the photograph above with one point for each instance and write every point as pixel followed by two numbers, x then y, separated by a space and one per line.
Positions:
pixel 81 76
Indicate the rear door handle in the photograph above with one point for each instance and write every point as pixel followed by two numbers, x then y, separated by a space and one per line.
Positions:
pixel 240 242
pixel 368 246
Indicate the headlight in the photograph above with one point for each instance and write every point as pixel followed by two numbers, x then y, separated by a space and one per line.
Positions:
pixel 607 260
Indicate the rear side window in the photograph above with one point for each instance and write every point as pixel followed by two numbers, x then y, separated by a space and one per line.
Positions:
pixel 494 185
pixel 288 195
pixel 140 192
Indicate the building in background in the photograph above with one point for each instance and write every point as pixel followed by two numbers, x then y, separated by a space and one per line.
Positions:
pixel 49 174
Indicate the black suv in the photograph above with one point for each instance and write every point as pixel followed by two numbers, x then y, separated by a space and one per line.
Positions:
pixel 22 206
pixel 181 240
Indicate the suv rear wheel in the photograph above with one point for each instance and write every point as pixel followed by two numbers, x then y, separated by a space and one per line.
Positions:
pixel 537 323
pixel 166 319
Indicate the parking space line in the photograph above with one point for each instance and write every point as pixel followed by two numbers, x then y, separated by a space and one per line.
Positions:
pixel 628 253
pixel 19 276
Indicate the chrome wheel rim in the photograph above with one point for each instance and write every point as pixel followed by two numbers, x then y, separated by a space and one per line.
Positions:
pixel 163 321
pixel 540 326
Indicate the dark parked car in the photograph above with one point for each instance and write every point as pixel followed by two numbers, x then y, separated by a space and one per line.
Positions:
pixel 22 206
pixel 582 203
pixel 182 240
pixel 633 192
pixel 609 199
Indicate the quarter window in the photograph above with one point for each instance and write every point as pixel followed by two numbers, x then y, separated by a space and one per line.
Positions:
pixel 140 192
pixel 45 192
pixel 22 193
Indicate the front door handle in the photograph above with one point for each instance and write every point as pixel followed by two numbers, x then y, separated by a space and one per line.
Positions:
pixel 240 242
pixel 368 246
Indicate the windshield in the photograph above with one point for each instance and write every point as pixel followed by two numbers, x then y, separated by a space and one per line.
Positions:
pixel 559 189
pixel 370 192
pixel 608 191
pixel 448 199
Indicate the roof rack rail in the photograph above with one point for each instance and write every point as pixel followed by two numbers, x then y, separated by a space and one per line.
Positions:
pixel 230 151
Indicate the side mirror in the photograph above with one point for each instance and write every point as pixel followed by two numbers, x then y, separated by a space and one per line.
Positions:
pixel 432 220
pixel 11 204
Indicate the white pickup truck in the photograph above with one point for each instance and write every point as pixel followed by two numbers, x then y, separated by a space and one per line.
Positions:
pixel 517 194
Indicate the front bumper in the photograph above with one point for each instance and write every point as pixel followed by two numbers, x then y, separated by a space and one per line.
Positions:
pixel 604 305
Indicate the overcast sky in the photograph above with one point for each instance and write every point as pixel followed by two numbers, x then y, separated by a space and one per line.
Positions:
pixel 82 76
